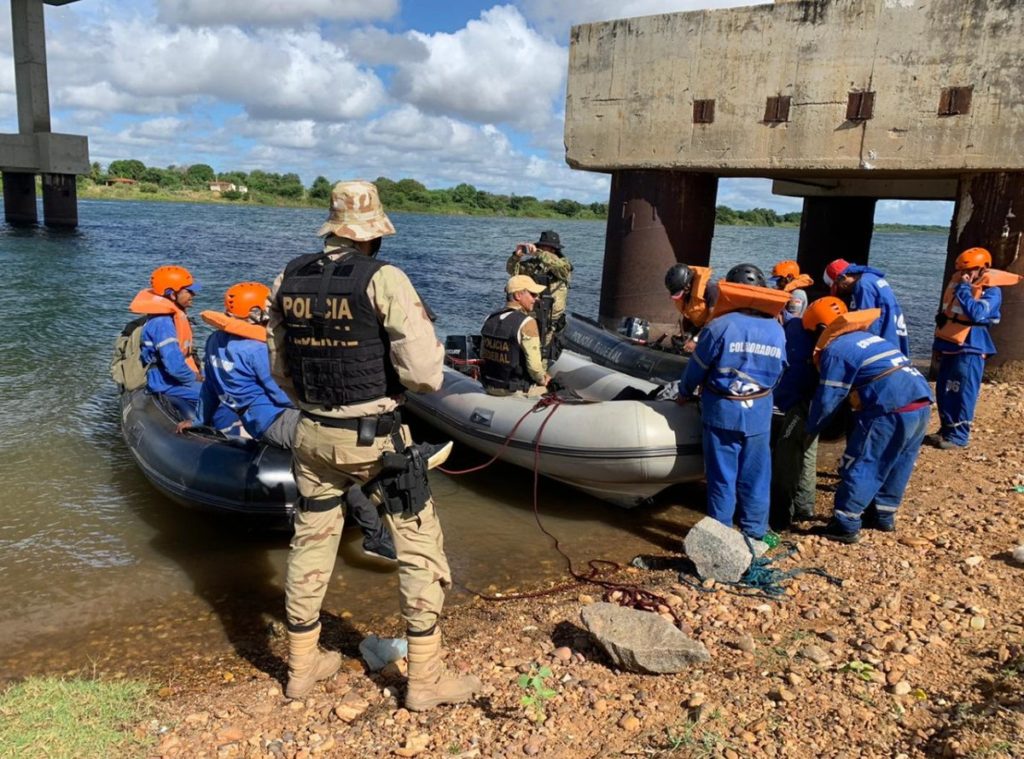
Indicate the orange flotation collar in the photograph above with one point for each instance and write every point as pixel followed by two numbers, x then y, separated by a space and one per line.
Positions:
pixel 733 297
pixel 148 302
pixel 851 321
pixel 798 282
pixel 694 305
pixel 998 278
pixel 235 326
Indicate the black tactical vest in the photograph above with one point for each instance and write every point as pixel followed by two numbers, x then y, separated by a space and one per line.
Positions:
pixel 504 363
pixel 336 349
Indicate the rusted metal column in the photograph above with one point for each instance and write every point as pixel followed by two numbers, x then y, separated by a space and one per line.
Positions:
pixel 655 219
pixel 60 200
pixel 20 198
pixel 989 213
pixel 832 228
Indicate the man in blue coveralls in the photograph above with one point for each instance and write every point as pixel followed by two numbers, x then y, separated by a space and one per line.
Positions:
pixel 962 342
pixel 866 287
pixel 167 337
pixel 891 402
pixel 739 358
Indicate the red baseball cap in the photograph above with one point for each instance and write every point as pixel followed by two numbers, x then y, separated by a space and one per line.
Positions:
pixel 835 270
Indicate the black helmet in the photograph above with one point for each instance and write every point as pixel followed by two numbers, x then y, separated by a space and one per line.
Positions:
pixel 678 278
pixel 746 274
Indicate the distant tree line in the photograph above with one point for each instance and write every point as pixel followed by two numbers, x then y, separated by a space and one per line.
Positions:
pixel 404 195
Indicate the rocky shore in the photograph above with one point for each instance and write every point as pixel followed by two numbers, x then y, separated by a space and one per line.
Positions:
pixel 917 651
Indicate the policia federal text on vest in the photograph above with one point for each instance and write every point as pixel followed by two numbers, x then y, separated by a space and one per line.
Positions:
pixel 336 348
pixel 504 364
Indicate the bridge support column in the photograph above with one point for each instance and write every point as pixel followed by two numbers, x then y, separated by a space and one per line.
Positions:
pixel 655 219
pixel 832 228
pixel 20 198
pixel 988 214
pixel 60 200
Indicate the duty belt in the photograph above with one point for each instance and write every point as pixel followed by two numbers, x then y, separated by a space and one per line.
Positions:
pixel 368 428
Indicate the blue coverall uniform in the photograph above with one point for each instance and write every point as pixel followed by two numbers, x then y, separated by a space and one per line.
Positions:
pixel 891 410
pixel 168 373
pixel 737 355
pixel 873 291
pixel 960 366
pixel 238 385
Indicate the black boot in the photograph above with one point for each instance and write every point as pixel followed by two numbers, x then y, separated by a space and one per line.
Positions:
pixel 835 531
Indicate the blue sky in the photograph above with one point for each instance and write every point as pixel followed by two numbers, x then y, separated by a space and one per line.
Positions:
pixel 444 92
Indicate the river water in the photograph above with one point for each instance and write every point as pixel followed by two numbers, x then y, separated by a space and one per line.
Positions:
pixel 102 573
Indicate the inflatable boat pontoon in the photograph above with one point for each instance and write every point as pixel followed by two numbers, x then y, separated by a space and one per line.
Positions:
pixel 606 348
pixel 623 451
pixel 206 469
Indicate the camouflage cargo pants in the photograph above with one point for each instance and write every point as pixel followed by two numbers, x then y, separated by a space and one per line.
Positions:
pixel 326 462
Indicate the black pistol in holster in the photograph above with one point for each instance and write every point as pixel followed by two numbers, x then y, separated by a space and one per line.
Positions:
pixel 401 487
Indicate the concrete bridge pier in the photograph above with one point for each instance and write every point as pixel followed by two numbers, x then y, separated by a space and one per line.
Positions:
pixel 20 198
pixel 60 200
pixel 35 149
pixel 655 218
pixel 989 213
pixel 831 228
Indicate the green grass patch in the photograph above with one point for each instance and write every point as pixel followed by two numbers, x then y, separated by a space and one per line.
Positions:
pixel 56 718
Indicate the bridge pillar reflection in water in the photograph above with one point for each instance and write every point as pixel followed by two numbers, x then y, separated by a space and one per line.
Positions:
pixel 989 213
pixel 655 219
pixel 831 228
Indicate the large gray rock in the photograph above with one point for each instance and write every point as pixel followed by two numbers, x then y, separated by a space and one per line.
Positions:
pixel 641 641
pixel 718 551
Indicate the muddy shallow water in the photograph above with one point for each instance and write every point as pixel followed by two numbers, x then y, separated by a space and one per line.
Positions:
pixel 101 572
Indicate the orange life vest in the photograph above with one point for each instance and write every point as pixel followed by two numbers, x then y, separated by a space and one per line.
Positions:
pixel 956 327
pixel 693 306
pixel 235 326
pixel 148 302
pixel 801 281
pixel 851 321
pixel 733 296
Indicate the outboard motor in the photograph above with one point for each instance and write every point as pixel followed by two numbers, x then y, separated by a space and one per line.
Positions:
pixel 635 328
pixel 463 353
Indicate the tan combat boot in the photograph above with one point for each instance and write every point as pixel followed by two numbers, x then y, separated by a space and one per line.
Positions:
pixel 308 663
pixel 429 685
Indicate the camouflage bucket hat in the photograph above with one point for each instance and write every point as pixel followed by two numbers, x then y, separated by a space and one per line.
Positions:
pixel 356 213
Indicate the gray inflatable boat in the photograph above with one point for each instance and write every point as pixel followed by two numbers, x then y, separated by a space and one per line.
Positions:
pixel 622 451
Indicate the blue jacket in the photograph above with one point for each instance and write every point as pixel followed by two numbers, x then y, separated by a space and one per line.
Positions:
pixel 737 354
pixel 984 311
pixel 855 362
pixel 160 348
pixel 238 377
pixel 801 377
pixel 872 291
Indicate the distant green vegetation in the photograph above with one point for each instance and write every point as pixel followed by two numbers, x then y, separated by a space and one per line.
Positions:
pixel 131 179
pixel 65 719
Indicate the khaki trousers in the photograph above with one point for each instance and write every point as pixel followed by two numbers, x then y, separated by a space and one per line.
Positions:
pixel 326 462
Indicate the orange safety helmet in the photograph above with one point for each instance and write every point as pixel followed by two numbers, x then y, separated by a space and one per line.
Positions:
pixel 172 278
pixel 823 312
pixel 240 299
pixel 786 269
pixel 973 258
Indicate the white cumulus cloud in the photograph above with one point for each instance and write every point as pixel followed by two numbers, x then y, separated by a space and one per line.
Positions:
pixel 272 12
pixel 496 69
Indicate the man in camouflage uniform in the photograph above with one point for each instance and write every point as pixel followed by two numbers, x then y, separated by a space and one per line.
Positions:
pixel 347 335
pixel 546 265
